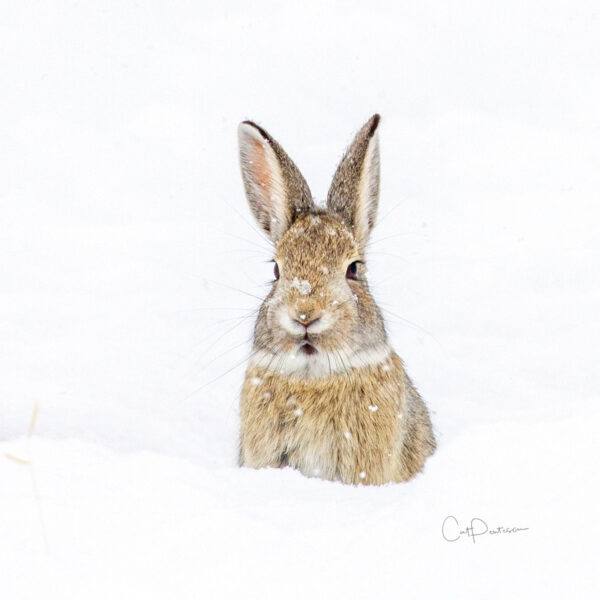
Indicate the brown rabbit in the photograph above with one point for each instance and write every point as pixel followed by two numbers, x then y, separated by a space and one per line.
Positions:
pixel 324 392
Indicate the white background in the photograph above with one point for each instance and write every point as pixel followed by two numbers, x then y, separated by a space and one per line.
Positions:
pixel 129 266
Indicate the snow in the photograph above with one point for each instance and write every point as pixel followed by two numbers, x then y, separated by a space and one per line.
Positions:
pixel 131 267
pixel 303 286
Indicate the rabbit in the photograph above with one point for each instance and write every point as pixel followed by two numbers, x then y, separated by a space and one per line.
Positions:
pixel 324 392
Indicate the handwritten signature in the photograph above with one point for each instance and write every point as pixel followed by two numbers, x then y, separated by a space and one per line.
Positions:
pixel 452 531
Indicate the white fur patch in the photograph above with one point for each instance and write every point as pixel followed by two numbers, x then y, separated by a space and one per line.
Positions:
pixel 321 364
pixel 322 324
pixel 287 323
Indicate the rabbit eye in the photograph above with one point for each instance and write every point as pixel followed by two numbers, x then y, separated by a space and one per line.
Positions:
pixel 352 270
pixel 276 271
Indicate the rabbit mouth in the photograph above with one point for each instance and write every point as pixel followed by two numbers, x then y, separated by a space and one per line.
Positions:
pixel 308 349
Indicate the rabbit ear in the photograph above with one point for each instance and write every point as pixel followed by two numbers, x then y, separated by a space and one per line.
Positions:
pixel 275 189
pixel 354 192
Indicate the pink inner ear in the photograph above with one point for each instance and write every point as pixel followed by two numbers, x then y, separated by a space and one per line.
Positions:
pixel 261 172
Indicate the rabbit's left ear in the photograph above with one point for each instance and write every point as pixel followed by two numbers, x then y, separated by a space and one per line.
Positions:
pixel 354 192
pixel 276 191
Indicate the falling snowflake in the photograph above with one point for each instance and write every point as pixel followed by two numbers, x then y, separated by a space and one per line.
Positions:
pixel 255 380
pixel 298 412
pixel 362 474
pixel 373 407
pixel 347 435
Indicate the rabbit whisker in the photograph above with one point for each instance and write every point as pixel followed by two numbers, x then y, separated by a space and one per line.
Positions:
pixel 395 235
pixel 210 362
pixel 235 289
pixel 240 363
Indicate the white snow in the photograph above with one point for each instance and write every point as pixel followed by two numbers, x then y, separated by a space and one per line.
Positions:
pixel 303 286
pixel 130 267
pixel 373 407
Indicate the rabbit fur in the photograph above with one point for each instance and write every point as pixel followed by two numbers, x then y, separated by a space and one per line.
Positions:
pixel 324 392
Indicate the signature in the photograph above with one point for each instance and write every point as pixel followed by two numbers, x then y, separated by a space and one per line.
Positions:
pixel 452 531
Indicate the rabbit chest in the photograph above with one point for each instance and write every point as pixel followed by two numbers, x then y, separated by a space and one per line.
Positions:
pixel 345 427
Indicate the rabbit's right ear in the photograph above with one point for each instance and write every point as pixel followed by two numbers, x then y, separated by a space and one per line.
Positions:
pixel 276 191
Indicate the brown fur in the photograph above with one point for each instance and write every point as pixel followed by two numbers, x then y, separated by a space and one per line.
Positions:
pixel 326 428
pixel 346 410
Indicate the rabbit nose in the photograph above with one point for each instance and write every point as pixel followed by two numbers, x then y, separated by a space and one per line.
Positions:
pixel 305 320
